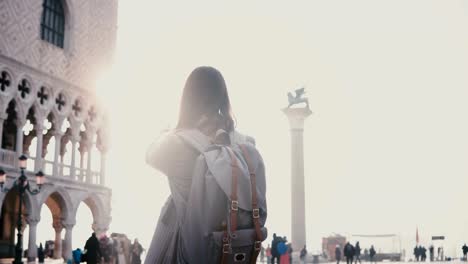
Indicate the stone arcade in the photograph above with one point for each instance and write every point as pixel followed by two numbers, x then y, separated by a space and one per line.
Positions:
pixel 51 52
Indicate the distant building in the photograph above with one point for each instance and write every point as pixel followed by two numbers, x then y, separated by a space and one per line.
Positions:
pixel 51 52
pixel 329 245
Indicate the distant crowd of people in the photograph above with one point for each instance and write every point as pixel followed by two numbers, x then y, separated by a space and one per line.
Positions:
pixel 420 253
pixel 116 249
pixel 280 251
pixel 353 253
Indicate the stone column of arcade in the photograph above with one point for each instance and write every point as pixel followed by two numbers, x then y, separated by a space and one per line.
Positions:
pixel 74 139
pixel 32 246
pixel 39 135
pixel 58 139
pixel 102 147
pixel 296 117
pixel 20 122
pixel 89 174
pixel 67 248
pixel 58 227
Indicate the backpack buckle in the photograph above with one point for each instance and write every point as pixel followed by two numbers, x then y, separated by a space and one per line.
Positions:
pixel 226 248
pixel 234 205
pixel 256 213
pixel 258 245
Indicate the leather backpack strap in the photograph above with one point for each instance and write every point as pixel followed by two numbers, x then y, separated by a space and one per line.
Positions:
pixel 255 209
pixel 234 208
pixel 225 247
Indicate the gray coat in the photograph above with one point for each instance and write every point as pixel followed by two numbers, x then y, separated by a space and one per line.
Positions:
pixel 176 160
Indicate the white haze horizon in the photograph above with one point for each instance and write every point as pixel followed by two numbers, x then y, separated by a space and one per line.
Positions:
pixel 386 148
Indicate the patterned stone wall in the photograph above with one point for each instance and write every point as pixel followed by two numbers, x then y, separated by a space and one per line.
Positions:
pixel 89 39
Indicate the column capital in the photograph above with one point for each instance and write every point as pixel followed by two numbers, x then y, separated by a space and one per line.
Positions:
pixel 75 138
pixel 20 121
pixel 90 132
pixel 68 224
pixel 103 148
pixel 296 116
pixel 57 225
pixel 89 145
pixel 57 133
pixel 32 221
pixel 101 226
pixel 39 127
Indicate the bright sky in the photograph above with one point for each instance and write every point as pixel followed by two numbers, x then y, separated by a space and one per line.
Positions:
pixel 386 149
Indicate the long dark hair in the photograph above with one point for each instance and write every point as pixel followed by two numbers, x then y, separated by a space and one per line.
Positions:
pixel 205 99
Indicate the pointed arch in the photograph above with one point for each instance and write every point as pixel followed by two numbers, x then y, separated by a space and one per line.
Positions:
pixel 9 217
pixel 96 205
pixel 58 201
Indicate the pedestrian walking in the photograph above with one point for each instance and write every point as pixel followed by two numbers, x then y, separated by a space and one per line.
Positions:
pixel 423 254
pixel 431 253
pixel 303 254
pixel 137 249
pixel 465 251
pixel 417 253
pixel 275 255
pixel 349 253
pixel 268 254
pixel 93 251
pixel 119 245
pixel 106 248
pixel 76 254
pixel 290 251
pixel 337 254
pixel 184 154
pixel 262 254
pixel 372 253
pixel 40 253
pixel 357 252
pixel 285 258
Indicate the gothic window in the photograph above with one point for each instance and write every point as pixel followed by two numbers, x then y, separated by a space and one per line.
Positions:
pixel 60 101
pixel 24 88
pixel 5 81
pixel 77 108
pixel 53 22
pixel 92 114
pixel 42 95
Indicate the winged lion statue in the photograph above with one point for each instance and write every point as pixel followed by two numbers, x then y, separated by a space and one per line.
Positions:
pixel 298 98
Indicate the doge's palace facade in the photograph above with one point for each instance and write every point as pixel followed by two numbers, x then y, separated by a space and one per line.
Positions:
pixel 51 53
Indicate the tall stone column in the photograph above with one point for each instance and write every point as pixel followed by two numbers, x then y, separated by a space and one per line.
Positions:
pixel 19 135
pixel 102 146
pixel 39 135
pixel 102 180
pixel 89 174
pixel 32 246
pixel 296 117
pixel 58 139
pixel 82 172
pixel 58 239
pixel 67 248
pixel 74 141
